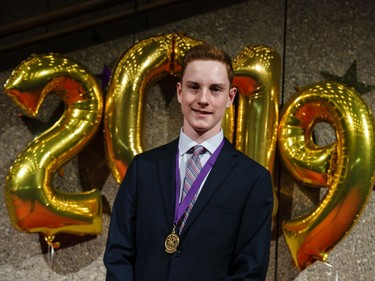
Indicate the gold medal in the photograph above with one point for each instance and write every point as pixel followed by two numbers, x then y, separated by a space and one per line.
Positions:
pixel 172 241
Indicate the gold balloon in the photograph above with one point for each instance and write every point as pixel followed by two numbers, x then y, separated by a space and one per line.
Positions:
pixel 35 205
pixel 257 75
pixel 346 167
pixel 138 69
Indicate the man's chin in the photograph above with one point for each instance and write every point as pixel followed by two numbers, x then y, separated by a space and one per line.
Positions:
pixel 201 130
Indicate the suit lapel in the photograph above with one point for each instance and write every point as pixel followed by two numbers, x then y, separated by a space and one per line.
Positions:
pixel 167 183
pixel 222 168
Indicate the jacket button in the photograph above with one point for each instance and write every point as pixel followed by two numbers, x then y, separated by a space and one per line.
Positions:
pixel 177 254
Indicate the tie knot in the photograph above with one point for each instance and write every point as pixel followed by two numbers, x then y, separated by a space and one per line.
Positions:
pixel 198 150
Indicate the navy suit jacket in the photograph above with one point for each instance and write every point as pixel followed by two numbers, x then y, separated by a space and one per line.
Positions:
pixel 226 236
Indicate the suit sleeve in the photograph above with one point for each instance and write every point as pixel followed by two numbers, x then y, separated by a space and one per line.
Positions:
pixel 119 256
pixel 250 260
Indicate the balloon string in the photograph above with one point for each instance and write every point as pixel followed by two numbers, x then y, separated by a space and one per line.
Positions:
pixel 326 263
pixel 51 248
pixel 51 252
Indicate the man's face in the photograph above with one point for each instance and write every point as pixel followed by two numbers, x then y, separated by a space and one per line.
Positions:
pixel 204 94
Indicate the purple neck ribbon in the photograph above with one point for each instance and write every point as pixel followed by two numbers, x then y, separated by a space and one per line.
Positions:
pixel 180 207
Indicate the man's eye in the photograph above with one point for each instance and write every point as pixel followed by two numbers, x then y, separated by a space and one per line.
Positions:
pixel 193 87
pixel 216 89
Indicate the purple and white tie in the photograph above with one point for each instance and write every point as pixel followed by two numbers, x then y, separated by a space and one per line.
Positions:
pixel 193 168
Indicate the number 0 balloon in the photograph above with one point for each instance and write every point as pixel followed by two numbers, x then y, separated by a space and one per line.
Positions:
pixel 139 67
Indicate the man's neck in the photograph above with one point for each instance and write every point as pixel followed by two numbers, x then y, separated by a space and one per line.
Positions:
pixel 199 136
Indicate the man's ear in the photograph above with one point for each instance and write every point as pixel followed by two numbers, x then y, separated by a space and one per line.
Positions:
pixel 179 91
pixel 231 96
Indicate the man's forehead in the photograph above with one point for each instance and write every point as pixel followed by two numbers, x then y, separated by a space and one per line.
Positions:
pixel 199 70
pixel 198 62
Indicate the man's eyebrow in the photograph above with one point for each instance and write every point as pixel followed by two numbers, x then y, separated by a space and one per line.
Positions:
pixel 191 82
pixel 221 85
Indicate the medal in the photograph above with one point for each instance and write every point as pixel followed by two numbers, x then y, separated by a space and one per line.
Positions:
pixel 172 241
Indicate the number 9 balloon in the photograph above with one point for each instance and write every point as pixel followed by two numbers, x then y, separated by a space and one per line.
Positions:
pixel 35 205
pixel 346 167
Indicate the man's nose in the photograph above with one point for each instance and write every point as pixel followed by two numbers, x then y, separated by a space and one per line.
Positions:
pixel 203 98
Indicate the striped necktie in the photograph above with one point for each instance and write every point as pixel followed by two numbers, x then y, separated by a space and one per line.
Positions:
pixel 192 170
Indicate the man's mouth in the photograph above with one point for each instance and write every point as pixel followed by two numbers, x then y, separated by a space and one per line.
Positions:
pixel 201 111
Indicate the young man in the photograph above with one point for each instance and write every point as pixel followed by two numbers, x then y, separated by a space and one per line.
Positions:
pixel 203 217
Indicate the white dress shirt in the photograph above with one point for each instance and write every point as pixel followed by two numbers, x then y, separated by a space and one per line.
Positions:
pixel 185 144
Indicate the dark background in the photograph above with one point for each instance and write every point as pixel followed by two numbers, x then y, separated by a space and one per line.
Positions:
pixel 44 26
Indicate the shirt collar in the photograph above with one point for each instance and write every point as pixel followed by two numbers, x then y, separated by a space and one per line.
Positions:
pixel 185 143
